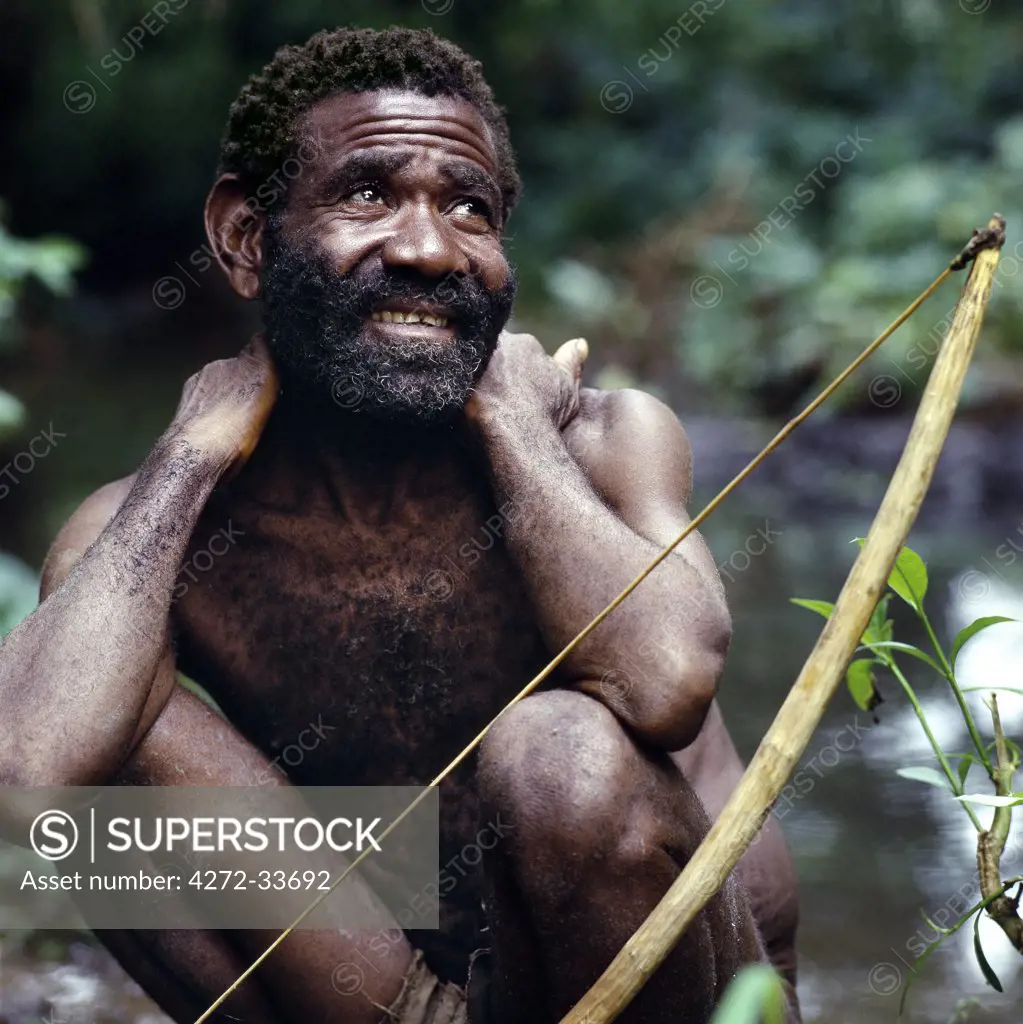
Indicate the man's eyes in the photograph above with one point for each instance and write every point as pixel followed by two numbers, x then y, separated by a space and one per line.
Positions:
pixel 474 207
pixel 365 194
pixel 376 195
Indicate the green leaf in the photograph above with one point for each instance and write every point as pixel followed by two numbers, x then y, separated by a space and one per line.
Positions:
pixel 909 578
pixel 965 762
pixel 938 930
pixel 894 645
pixel 929 775
pixel 52 260
pixel 859 677
pixel 925 955
pixel 992 801
pixel 824 608
pixel 989 975
pixel 879 629
pixel 972 630
pixel 755 995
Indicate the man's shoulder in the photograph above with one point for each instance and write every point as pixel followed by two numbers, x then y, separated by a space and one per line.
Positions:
pixel 87 522
pixel 625 438
pixel 624 418
pixel 613 408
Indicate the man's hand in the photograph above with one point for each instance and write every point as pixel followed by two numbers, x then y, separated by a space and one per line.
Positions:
pixel 224 407
pixel 600 482
pixel 522 379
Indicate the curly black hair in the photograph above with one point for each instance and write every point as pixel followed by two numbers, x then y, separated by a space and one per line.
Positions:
pixel 261 124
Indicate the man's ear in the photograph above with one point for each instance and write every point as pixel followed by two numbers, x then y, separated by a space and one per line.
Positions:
pixel 234 227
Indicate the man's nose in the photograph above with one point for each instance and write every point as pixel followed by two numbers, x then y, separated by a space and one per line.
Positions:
pixel 421 240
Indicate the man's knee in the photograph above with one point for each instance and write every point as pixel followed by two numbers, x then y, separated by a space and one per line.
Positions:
pixel 563 772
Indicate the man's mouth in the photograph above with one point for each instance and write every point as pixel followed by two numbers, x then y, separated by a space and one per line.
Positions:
pixel 394 316
pixel 423 317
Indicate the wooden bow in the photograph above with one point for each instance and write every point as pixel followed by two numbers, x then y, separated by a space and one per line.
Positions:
pixel 780 750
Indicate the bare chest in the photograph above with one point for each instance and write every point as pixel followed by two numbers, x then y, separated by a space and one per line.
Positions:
pixel 357 653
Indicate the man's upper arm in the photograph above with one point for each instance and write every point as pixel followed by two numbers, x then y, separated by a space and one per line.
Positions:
pixel 637 457
pixel 88 521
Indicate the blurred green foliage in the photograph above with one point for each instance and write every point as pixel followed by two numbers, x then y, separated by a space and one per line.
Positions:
pixel 654 139
pixel 52 261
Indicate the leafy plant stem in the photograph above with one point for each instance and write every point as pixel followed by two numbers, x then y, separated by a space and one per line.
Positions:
pixel 953 779
pixel 947 933
pixel 964 708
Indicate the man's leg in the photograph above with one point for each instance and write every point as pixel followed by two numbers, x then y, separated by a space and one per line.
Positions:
pixel 185 971
pixel 766 871
pixel 598 831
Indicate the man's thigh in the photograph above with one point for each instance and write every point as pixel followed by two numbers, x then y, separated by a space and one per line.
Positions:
pixel 185 971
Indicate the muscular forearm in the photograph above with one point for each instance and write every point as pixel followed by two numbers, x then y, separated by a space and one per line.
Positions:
pixel 85 675
pixel 76 675
pixel 656 658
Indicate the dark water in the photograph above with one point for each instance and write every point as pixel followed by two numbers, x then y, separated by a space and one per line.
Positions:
pixel 872 850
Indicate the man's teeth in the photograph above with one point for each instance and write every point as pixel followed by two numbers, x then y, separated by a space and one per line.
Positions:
pixel 394 317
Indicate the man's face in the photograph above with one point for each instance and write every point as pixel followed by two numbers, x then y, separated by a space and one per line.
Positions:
pixel 385 282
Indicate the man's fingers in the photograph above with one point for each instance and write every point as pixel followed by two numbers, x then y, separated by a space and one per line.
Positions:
pixel 571 356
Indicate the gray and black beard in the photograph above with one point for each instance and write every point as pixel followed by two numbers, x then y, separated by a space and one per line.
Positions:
pixel 317 328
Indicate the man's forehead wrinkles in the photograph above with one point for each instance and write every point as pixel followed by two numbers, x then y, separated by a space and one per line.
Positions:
pixel 405 117
pixel 395 155
pixel 375 159
pixel 390 116
pixel 427 132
